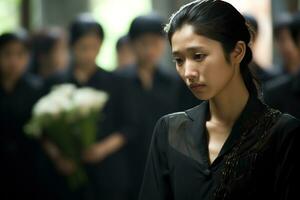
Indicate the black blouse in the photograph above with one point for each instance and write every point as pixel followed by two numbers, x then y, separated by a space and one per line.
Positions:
pixel 257 161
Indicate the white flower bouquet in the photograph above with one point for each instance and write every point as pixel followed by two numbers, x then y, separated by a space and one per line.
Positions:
pixel 69 118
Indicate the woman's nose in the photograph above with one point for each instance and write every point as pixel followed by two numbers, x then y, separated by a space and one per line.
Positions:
pixel 191 71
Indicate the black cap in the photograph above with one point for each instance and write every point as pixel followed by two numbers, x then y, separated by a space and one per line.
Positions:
pixel 84 24
pixel 145 24
pixel 9 37
pixel 282 21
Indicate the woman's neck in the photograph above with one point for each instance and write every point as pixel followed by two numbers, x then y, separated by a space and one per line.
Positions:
pixel 227 106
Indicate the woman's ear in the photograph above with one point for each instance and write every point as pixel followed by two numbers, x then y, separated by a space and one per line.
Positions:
pixel 238 52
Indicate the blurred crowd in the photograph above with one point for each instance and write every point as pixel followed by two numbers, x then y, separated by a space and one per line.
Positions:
pixel 141 91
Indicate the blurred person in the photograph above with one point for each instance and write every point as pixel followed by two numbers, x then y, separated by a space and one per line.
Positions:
pixel 286 46
pixel 152 91
pixel 283 93
pixel 49 52
pixel 18 93
pixel 125 55
pixel 105 161
pixel 262 74
pixel 232 146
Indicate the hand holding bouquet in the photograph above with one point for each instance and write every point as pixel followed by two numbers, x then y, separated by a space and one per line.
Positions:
pixel 69 118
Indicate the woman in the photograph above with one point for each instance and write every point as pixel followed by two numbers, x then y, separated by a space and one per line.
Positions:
pixel 232 146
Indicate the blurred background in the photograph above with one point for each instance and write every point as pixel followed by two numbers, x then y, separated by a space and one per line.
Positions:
pixel 115 18
pixel 117 47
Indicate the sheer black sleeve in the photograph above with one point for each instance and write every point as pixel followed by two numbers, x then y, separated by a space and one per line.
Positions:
pixel 156 184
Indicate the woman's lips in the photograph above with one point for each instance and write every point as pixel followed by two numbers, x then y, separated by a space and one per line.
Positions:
pixel 197 86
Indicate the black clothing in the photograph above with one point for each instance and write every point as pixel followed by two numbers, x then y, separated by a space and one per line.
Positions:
pixel 146 106
pixel 110 176
pixel 283 94
pixel 17 151
pixel 257 161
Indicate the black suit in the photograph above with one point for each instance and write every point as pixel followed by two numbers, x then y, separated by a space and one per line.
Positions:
pixel 283 94
pixel 18 151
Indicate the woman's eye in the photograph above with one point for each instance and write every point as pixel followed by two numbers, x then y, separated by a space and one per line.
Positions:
pixel 178 61
pixel 199 56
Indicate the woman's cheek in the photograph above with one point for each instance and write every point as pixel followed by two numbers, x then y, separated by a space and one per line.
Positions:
pixel 180 72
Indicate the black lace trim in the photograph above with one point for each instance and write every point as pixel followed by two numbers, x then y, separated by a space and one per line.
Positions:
pixel 263 123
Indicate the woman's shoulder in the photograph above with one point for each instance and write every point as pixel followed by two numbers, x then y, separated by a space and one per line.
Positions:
pixel 286 131
pixel 287 124
pixel 172 127
pixel 196 112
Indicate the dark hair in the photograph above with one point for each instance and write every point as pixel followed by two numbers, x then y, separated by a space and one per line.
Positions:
pixel 8 38
pixel 42 43
pixel 84 25
pixel 295 28
pixel 122 41
pixel 220 21
pixel 142 25
pixel 252 22
pixel 252 25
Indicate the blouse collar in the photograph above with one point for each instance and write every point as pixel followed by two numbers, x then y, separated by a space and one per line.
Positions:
pixel 247 119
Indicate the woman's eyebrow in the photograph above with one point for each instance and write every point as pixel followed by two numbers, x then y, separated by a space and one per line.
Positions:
pixel 175 53
pixel 189 49
pixel 195 48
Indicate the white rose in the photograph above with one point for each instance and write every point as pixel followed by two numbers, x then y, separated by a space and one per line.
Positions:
pixel 53 105
pixel 61 102
pixel 88 99
pixel 45 106
pixel 66 90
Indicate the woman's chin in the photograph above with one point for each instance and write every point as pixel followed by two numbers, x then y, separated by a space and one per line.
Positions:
pixel 202 96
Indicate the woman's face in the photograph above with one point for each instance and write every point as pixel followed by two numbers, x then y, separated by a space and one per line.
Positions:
pixel 13 60
pixel 86 49
pixel 201 63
